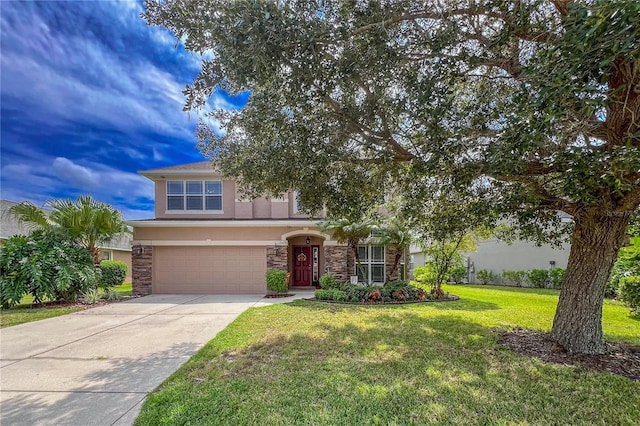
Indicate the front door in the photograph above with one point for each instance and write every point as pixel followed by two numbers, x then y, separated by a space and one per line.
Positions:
pixel 302 265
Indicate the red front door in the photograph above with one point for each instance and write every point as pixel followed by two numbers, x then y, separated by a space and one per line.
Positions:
pixel 301 265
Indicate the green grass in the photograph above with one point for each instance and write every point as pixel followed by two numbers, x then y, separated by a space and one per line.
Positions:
pixel 24 312
pixel 328 364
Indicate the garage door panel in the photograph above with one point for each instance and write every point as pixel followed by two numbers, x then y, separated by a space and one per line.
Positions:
pixel 209 270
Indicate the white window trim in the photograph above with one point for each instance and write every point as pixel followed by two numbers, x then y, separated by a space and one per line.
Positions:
pixel 204 195
pixel 369 263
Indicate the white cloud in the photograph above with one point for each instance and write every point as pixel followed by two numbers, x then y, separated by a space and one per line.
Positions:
pixel 74 174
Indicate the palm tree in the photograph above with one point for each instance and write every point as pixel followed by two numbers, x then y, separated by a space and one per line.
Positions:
pixel 351 233
pixel 89 222
pixel 393 234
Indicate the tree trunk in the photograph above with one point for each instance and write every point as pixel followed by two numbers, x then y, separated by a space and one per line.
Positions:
pixel 96 254
pixel 596 239
pixel 354 246
pixel 396 261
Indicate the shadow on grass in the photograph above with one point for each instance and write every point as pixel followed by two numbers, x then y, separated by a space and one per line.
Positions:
pixel 391 367
pixel 509 289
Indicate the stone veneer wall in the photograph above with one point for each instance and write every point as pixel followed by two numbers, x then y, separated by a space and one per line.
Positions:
pixel 277 258
pixel 141 270
pixel 338 260
pixel 389 260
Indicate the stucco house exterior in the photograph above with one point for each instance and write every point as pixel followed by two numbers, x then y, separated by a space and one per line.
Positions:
pixel 118 248
pixel 207 239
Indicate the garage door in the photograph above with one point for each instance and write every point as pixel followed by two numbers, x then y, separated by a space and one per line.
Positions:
pixel 209 270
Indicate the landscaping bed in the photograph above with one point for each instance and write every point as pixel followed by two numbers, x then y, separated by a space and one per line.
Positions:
pixel 621 359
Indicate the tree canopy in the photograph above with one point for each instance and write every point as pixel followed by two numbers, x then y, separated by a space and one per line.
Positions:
pixel 533 103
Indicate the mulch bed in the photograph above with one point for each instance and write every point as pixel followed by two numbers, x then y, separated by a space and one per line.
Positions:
pixel 277 296
pixel 622 359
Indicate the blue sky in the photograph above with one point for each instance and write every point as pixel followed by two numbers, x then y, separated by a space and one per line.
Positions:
pixel 89 95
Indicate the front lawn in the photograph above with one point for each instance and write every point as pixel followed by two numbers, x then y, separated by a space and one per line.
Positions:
pixel 433 363
pixel 24 312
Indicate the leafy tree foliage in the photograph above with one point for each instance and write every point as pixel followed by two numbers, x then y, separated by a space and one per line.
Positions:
pixel 46 265
pixel 86 221
pixel 535 102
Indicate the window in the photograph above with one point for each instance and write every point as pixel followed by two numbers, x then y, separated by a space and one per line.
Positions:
pixel 105 255
pixel 372 259
pixel 194 195
pixel 296 203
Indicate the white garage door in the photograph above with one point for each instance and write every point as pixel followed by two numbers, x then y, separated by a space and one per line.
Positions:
pixel 209 270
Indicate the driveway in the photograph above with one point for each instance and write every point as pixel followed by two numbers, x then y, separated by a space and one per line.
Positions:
pixel 95 367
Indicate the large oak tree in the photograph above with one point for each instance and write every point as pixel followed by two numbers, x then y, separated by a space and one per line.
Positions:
pixel 534 102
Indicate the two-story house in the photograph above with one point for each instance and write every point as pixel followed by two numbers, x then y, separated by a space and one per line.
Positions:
pixel 207 239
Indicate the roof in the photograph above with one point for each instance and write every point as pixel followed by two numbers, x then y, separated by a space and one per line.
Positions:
pixel 9 226
pixel 199 168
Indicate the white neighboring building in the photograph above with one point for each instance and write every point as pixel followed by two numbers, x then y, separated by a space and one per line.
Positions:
pixel 497 256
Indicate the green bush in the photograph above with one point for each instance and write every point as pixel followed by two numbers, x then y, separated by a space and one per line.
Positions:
pixel 331 294
pixel 45 265
pixel 514 278
pixel 328 281
pixel 458 274
pixel 630 292
pixel 539 278
pixel 487 277
pixel 556 276
pixel 425 275
pixel 276 281
pixel 113 272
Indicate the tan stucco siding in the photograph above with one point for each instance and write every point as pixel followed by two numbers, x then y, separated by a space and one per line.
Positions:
pixel 228 200
pixel 124 256
pixel 212 233
pixel 209 270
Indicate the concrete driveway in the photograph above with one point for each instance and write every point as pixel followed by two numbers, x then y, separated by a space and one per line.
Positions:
pixel 95 367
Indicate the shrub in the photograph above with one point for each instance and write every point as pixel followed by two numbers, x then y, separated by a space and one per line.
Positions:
pixel 276 281
pixel 487 277
pixel 323 294
pixel 556 276
pixel 539 278
pixel 339 296
pixel 45 265
pixel 630 292
pixel 399 291
pixel 425 275
pixel 111 294
pixel 113 272
pixel 458 274
pixel 328 281
pixel 515 278
pixel 91 296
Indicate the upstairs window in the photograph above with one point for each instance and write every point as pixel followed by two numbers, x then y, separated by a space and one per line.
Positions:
pixel 194 195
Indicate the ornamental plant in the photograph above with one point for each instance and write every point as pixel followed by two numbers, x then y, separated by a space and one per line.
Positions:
pixel 276 281
pixel 46 265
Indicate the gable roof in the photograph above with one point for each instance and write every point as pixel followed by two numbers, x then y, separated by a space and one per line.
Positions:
pixel 10 226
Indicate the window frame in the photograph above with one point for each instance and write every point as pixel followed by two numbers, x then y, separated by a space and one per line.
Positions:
pixel 368 262
pixel 108 252
pixel 199 197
